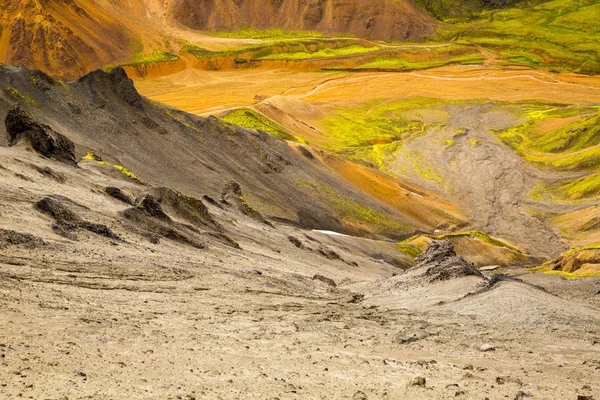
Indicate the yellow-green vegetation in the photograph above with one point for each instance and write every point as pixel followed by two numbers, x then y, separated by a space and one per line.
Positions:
pixel 283 49
pixel 306 53
pixel 582 188
pixel 141 59
pixel 249 118
pixel 94 157
pixel 571 147
pixel 422 168
pixel 559 34
pixel 389 63
pixel 376 122
pixel 268 34
pixel 575 136
pixel 464 10
pixel 32 79
pixel 155 57
pixel 19 96
pixel 373 131
pixel 482 236
pixel 357 213
pixel 574 260
pixel 409 250
pixel 427 57
pixel 568 275
pixel 413 247
pixel 474 142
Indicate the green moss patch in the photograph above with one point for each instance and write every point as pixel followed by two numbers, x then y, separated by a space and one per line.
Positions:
pixel 268 34
pixel 251 119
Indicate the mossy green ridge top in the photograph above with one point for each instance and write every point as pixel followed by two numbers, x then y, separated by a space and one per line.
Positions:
pixel 249 118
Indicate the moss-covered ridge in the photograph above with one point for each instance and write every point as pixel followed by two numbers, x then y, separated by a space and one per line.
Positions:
pixel 248 118
pixel 579 262
pixel 560 34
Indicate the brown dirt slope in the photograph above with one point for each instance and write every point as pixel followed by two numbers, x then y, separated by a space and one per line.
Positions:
pixel 381 19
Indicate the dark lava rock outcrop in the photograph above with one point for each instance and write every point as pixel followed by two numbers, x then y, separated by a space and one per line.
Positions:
pixel 440 262
pixel 67 222
pixel 111 87
pixel 166 213
pixel 232 195
pixel 22 129
pixel 11 238
pixel 186 208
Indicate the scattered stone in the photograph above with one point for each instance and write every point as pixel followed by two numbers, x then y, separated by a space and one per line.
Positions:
pixel 521 395
pixel 329 254
pixel 391 363
pixel 408 340
pixel 584 397
pixel 325 280
pixel 459 393
pixel 185 207
pixel 487 347
pixel 360 395
pixel 108 86
pixel 296 242
pixel 356 298
pixel 418 381
pixel 232 195
pixel 50 173
pixel 489 268
pixel 279 379
pixel 80 373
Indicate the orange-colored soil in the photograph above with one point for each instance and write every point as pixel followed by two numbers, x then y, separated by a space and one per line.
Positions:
pixel 423 207
pixel 213 91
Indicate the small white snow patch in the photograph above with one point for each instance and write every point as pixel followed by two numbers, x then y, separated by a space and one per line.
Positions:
pixel 331 233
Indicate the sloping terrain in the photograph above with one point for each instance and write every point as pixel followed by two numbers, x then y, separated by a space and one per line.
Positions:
pixel 115 288
pixel 460 9
pixel 387 20
pixel 65 38
pixel 166 146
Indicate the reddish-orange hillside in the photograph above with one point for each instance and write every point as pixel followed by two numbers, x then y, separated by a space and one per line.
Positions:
pixel 63 37
pixel 68 38
pixel 377 19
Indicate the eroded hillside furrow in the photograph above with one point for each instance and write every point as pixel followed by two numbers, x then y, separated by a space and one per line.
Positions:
pixel 486 179
pixel 387 20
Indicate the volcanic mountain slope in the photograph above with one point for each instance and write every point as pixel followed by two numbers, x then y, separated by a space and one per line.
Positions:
pixel 66 38
pixel 459 9
pixel 104 114
pixel 70 38
pixel 114 285
pixel 380 19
